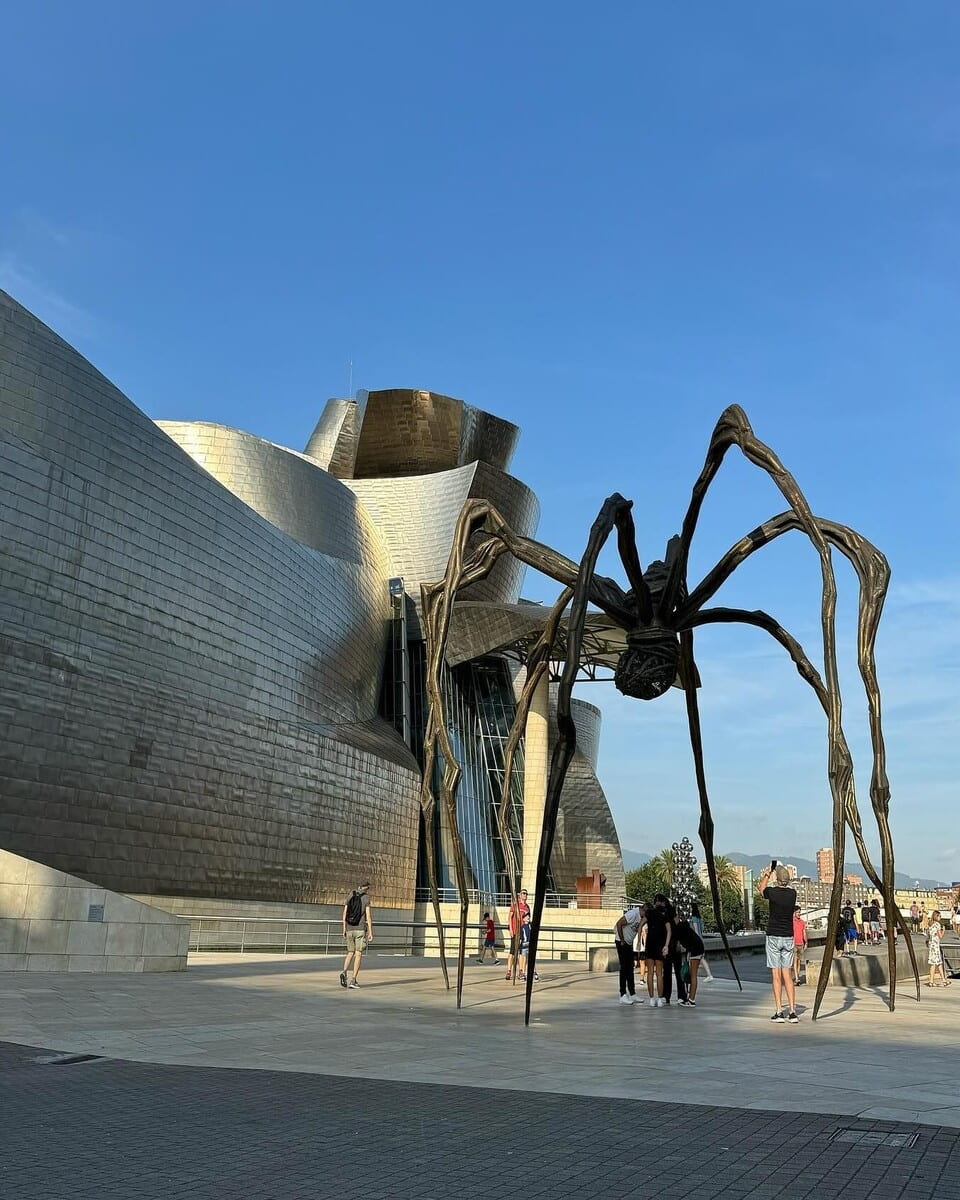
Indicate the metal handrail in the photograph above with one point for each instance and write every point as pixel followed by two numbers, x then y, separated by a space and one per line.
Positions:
pixel 325 936
pixel 475 896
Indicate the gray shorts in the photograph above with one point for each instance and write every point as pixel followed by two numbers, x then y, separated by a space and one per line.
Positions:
pixel 780 952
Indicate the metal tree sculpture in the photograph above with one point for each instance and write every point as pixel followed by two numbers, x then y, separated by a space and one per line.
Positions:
pixel 659 614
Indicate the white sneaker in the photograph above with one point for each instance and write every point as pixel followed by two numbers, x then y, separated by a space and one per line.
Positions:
pixel 626 999
pixel 661 1002
pixel 653 1002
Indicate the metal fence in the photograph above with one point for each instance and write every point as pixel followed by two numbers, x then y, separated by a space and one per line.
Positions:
pixel 502 899
pixel 312 936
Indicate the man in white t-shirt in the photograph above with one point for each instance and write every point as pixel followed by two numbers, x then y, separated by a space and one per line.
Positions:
pixel 624 935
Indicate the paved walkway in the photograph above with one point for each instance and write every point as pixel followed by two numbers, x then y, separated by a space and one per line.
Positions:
pixel 143 1132
pixel 290 1014
pixel 390 1091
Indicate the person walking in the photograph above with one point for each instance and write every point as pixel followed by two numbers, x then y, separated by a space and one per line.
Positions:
pixel 934 956
pixel 625 933
pixel 489 940
pixel 783 901
pixel 915 916
pixel 357 932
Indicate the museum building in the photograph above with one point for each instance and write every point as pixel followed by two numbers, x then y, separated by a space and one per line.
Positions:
pixel 211 662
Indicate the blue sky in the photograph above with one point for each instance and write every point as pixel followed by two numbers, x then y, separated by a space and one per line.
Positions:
pixel 603 224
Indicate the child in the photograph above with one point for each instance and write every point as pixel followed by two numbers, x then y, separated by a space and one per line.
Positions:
pixel 525 947
pixel 489 939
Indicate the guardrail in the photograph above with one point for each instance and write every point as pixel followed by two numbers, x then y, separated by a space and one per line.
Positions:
pixel 502 899
pixel 315 936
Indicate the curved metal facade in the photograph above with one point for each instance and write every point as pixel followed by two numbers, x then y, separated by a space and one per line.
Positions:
pixel 189 694
pixel 586 832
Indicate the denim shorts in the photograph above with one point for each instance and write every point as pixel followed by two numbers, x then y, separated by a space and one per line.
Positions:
pixel 780 952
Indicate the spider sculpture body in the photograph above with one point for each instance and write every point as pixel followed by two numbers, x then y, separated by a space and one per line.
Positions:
pixel 658 614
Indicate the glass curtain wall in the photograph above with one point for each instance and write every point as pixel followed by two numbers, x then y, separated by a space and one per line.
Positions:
pixel 480 707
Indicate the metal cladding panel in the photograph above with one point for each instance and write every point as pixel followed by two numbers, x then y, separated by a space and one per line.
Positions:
pixel 417 515
pixel 173 668
pixel 406 432
pixel 333 443
pixel 586 838
pixel 286 488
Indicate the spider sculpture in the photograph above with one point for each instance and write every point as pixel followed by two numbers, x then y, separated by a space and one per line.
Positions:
pixel 658 615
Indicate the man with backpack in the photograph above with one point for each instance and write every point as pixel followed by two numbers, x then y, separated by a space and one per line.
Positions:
pixel 357 932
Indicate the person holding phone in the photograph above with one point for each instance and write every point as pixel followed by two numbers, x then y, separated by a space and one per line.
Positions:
pixel 780 946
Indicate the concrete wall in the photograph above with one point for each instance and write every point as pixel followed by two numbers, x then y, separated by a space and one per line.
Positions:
pixel 50 921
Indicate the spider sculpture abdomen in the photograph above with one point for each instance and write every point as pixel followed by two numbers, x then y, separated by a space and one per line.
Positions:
pixel 648 666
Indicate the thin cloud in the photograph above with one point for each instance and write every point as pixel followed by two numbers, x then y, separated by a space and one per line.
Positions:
pixel 69 320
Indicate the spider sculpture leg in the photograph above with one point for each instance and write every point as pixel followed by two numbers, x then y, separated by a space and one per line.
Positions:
pixel 566 742
pixel 688 677
pixel 733 428
pixel 463 568
pixel 873 574
pixel 538 661
pixel 437 602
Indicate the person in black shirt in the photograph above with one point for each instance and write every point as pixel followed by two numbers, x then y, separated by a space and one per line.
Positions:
pixel 780 947
pixel 673 963
pixel 658 935
pixel 685 936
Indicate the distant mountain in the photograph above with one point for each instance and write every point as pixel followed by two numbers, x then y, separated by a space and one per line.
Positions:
pixel 805 866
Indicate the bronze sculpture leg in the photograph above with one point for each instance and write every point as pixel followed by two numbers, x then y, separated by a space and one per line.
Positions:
pixel 873 574
pixel 688 677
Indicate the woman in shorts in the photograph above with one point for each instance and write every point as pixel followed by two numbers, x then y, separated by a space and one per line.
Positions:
pixel 657 949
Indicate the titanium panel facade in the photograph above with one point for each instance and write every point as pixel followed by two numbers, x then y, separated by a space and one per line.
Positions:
pixel 586 832
pixel 174 669
pixel 404 432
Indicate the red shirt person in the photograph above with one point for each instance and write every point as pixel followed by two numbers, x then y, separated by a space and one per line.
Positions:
pixel 518 912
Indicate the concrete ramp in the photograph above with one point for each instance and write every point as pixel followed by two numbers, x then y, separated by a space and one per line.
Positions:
pixel 51 921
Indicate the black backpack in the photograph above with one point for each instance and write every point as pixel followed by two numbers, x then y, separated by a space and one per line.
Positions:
pixel 355 909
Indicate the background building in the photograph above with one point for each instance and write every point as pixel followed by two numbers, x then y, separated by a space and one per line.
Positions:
pixel 825 865
pixel 212 666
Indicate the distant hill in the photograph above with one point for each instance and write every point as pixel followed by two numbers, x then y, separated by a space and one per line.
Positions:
pixel 805 866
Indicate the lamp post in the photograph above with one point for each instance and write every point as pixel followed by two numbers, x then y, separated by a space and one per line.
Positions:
pixel 683 876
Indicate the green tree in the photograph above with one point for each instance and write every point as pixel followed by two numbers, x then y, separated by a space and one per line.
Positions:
pixel 644 882
pixel 727 875
pixel 666 866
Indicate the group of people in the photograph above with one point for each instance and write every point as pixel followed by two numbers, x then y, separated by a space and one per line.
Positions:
pixel 520 927
pixel 668 945
pixel 870 931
